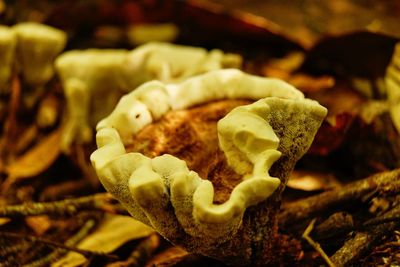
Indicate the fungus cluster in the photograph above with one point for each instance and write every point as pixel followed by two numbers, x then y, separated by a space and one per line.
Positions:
pixel 94 79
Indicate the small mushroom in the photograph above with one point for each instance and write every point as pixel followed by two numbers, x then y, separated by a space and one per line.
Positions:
pixel 7 48
pixel 92 83
pixel 171 63
pixel 37 47
pixel 392 82
pixel 261 143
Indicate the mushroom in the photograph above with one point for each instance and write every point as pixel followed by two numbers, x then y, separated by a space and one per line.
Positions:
pixel 176 190
pixel 392 82
pixel 37 47
pixel 94 79
pixel 7 48
pixel 171 63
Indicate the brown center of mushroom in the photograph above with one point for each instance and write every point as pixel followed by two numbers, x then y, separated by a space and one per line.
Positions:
pixel 191 135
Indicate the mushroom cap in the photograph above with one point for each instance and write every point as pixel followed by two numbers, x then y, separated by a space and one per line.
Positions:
pixel 37 47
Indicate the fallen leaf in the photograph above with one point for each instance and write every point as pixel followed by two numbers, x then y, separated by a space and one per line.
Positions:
pixel 114 231
pixel 361 54
pixel 167 257
pixel 311 84
pixel 332 134
pixel 26 139
pixel 4 221
pixel 39 224
pixel 310 181
pixel 35 161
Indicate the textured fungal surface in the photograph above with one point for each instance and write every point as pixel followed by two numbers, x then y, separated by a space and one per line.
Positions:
pixel 203 168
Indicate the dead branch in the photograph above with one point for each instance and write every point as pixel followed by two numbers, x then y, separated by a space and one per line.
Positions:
pixel 34 239
pixel 71 206
pixel 84 231
pixel 337 223
pixel 316 245
pixel 364 241
pixel 312 206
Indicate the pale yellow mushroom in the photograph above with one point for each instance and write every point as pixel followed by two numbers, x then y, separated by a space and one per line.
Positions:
pixel 172 63
pixel 392 82
pixel 92 81
pixel 37 47
pixel 165 194
pixel 7 51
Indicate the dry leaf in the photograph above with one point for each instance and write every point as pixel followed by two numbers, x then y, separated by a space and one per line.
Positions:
pixel 167 257
pixel 310 181
pixel 26 139
pixel 114 231
pixel 4 221
pixel 361 54
pixel 35 161
pixel 39 224
pixel 311 84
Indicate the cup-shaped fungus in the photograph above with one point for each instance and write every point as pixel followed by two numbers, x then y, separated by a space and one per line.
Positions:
pixel 7 48
pixel 94 79
pixel 202 164
pixel 37 47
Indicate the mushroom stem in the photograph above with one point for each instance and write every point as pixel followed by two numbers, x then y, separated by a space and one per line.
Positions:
pixel 7 48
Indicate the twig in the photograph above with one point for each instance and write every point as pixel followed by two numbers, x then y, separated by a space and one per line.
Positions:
pixel 63 189
pixel 141 253
pixel 341 223
pixel 10 128
pixel 86 253
pixel 381 220
pixel 315 245
pixel 362 242
pixel 84 231
pixel 312 206
pixel 336 224
pixel 11 249
pixel 71 206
